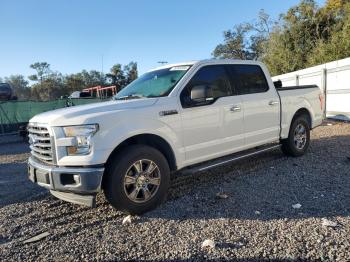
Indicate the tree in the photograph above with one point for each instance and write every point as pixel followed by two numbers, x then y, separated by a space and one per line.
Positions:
pixel 337 46
pixel 245 40
pixel 235 44
pixel 19 85
pixel 74 82
pixel 260 37
pixel 308 35
pixel 116 76
pixel 42 71
pixel 122 76
pixel 93 78
pixel 335 4
pixel 52 87
pixel 49 84
pixel 131 72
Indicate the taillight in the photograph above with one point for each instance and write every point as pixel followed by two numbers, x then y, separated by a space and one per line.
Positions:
pixel 320 96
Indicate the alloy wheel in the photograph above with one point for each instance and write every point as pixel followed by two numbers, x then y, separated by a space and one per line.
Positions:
pixel 300 136
pixel 142 180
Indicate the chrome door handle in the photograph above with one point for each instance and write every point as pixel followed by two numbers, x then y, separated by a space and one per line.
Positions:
pixel 235 109
pixel 272 103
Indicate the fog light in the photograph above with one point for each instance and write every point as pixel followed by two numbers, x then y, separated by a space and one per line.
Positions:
pixel 76 179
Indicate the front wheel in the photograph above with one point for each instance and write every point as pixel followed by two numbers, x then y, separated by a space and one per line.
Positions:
pixel 137 179
pixel 299 137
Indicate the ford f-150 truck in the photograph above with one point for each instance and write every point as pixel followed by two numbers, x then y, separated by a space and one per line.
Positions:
pixel 188 116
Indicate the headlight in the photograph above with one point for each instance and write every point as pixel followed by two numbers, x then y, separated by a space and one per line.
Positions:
pixel 83 135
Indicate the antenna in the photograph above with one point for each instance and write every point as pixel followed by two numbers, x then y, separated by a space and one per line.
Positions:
pixel 102 63
pixel 102 79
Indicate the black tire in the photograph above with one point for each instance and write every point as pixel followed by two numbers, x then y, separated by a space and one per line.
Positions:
pixel 289 146
pixel 116 191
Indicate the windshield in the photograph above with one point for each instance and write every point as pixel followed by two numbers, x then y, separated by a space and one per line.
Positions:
pixel 153 84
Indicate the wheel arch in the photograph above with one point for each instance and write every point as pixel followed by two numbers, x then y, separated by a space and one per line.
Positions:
pixel 303 111
pixel 152 140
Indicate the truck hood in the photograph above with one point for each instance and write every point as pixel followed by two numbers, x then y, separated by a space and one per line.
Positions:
pixel 81 114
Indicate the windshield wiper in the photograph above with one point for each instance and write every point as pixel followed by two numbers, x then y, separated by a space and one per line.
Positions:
pixel 133 96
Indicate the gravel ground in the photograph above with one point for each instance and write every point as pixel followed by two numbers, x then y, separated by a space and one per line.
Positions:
pixel 253 220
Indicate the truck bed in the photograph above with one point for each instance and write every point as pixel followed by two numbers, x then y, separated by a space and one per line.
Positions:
pixel 294 98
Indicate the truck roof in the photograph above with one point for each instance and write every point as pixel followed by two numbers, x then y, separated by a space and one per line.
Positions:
pixel 210 61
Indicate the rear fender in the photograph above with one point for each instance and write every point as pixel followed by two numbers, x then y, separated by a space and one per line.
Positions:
pixel 290 110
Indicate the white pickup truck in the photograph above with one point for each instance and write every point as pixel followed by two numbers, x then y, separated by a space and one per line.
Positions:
pixel 188 116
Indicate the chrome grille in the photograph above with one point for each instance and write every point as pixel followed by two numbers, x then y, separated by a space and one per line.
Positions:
pixel 40 143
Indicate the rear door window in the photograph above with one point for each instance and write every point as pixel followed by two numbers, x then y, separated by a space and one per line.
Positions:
pixel 248 79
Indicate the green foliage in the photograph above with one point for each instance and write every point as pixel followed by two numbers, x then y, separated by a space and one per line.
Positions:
pixel 338 44
pixel 235 44
pixel 246 40
pixel 50 88
pixel 130 72
pixel 120 77
pixel 306 35
pixel 74 82
pixel 42 70
pixel 50 85
pixel 116 76
pixel 19 85
pixel 296 36
pixel 93 78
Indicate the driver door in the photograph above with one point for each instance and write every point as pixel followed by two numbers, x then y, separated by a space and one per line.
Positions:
pixel 210 128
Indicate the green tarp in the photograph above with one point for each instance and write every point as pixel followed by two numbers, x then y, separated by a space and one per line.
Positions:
pixel 16 113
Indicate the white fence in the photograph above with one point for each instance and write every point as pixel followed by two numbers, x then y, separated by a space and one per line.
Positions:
pixel 334 80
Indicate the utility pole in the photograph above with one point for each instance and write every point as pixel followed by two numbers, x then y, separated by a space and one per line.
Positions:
pixel 102 70
pixel 102 63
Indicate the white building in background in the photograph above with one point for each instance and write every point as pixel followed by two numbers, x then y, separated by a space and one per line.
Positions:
pixel 333 78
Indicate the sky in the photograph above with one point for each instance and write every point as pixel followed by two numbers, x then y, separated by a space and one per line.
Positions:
pixel 84 34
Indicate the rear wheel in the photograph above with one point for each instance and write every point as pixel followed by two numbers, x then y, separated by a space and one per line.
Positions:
pixel 299 137
pixel 137 179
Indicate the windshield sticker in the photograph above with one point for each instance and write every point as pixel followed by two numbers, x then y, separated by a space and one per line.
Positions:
pixel 179 68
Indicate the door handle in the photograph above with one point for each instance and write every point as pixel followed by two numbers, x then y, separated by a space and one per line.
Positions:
pixel 272 103
pixel 235 109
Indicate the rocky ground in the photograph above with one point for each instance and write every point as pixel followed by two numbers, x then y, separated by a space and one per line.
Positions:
pixel 269 207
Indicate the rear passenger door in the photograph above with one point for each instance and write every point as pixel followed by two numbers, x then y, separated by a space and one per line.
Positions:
pixel 261 104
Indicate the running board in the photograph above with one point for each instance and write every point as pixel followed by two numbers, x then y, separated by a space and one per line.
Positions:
pixel 228 159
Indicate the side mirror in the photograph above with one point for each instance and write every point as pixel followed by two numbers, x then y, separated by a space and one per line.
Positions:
pixel 201 94
pixel 278 84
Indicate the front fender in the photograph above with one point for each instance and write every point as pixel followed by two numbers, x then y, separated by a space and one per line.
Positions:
pixel 144 126
pixel 112 135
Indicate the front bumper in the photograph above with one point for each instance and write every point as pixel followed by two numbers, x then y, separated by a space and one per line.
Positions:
pixel 73 184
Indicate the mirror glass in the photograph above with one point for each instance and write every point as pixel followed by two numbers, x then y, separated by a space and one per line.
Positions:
pixel 201 94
